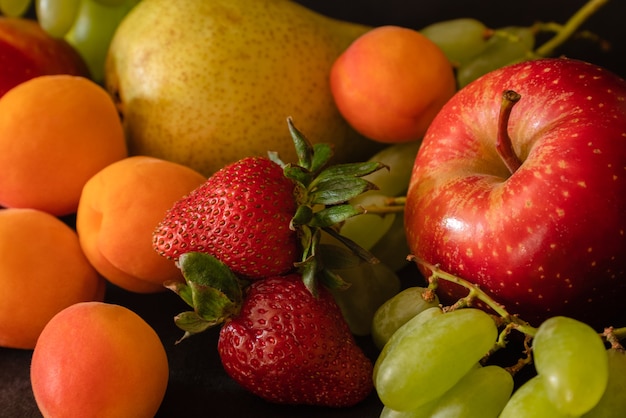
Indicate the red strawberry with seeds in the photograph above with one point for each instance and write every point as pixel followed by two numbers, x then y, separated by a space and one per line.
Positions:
pixel 288 346
pixel 278 340
pixel 262 217
pixel 284 337
pixel 241 216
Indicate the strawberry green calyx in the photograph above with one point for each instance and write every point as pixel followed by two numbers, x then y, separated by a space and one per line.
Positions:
pixel 210 288
pixel 322 193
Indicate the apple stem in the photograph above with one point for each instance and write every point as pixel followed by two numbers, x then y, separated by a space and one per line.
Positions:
pixel 504 145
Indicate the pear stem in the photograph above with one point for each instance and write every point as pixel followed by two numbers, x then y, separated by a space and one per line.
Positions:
pixel 504 146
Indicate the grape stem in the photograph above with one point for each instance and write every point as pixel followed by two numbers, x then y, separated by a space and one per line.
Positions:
pixel 522 361
pixel 611 335
pixel 391 205
pixel 566 30
pixel 475 292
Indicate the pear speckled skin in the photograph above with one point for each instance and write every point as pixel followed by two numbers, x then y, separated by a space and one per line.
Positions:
pixel 207 82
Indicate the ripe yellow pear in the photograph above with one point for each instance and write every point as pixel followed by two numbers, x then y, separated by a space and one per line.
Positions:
pixel 207 82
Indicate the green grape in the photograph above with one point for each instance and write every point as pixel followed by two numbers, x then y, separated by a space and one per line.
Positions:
pixel 531 401
pixel 481 393
pixel 111 3
pixel 14 8
pixel 396 311
pixel 370 286
pixel 421 362
pixel 57 17
pixel 93 29
pixel 368 228
pixel 460 39
pixel 506 46
pixel 407 328
pixel 393 248
pixel 400 159
pixel 613 401
pixel 424 411
pixel 572 358
pixel 445 406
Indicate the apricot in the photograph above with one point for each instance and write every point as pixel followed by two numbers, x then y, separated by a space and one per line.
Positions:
pixel 56 131
pixel 391 82
pixel 43 270
pixel 96 359
pixel 117 213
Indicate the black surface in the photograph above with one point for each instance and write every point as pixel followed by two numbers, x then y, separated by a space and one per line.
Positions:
pixel 198 386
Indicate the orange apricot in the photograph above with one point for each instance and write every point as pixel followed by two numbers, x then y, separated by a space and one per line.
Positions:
pixel 96 359
pixel 56 131
pixel 391 82
pixel 117 213
pixel 43 270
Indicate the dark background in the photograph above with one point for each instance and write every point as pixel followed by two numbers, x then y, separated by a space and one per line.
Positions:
pixel 198 386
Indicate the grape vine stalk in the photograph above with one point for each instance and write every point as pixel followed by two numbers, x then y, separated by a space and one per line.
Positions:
pixel 504 318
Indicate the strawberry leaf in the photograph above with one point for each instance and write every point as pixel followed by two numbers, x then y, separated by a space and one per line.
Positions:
pixel 322 194
pixel 335 190
pixel 298 174
pixel 181 289
pixel 304 149
pixel 191 323
pixel 205 271
pixel 211 304
pixel 337 257
pixel 303 216
pixel 351 169
pixel 322 153
pixel 332 280
pixel 333 215
pixel 308 240
pixel 310 157
pixel 210 288
pixel 353 246
pixel 309 271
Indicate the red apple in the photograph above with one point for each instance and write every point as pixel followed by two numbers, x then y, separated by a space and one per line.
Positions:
pixel 27 51
pixel 547 237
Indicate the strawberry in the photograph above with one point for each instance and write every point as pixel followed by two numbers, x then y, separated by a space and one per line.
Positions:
pixel 278 340
pixel 263 217
pixel 239 240
pixel 288 346
pixel 240 215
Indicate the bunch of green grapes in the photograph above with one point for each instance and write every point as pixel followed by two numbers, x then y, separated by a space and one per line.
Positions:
pixel 573 372
pixel 88 25
pixel 474 49
pixel 430 367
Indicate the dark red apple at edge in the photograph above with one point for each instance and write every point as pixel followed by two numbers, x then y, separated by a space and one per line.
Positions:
pixel 547 238
pixel 27 51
